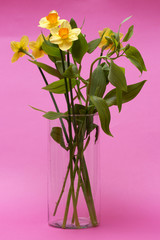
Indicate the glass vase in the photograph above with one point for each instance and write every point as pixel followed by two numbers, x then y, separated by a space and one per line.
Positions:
pixel 73 178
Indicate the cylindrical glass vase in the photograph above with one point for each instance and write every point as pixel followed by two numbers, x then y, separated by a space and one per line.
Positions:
pixel 73 179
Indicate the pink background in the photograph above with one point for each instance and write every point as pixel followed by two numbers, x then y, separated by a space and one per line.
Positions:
pixel 130 162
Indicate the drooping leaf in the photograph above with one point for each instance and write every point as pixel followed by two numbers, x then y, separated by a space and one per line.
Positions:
pixel 48 69
pixel 79 48
pixel 60 66
pixel 59 86
pixel 103 111
pixel 37 109
pixel 51 50
pixel 71 71
pixel 128 34
pixel 132 92
pixel 93 45
pixel 119 98
pixel 117 77
pixel 73 23
pixel 98 82
pixel 135 57
pixel 53 115
pixel 57 135
pixel 87 142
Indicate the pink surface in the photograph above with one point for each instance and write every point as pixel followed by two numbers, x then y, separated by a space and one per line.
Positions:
pixel 130 162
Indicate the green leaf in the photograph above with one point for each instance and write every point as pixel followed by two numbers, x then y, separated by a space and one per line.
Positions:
pixel 86 144
pixel 59 66
pixel 132 92
pixel 126 19
pixel 103 111
pixel 73 23
pixel 57 135
pixel 51 50
pixel 59 86
pixel 79 48
pixel 48 69
pixel 71 71
pixel 128 34
pixel 117 77
pixel 135 57
pixel 98 82
pixel 119 98
pixel 93 45
pixel 53 115
pixel 37 109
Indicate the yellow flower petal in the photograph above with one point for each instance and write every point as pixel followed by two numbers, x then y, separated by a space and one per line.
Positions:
pixel 65 45
pixel 66 24
pixel 24 42
pixel 38 53
pixel 15 46
pixel 56 39
pixel 15 57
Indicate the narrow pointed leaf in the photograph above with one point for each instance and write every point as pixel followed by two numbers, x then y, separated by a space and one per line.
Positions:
pixel 132 91
pixel 135 57
pixel 119 98
pixel 59 86
pixel 126 19
pixel 37 109
pixel 53 115
pixel 60 66
pixel 116 77
pixel 79 48
pixel 128 34
pixel 57 135
pixel 48 69
pixel 103 111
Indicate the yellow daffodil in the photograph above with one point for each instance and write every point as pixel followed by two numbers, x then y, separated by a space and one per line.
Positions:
pixel 36 47
pixel 64 36
pixel 108 43
pixel 19 48
pixel 50 21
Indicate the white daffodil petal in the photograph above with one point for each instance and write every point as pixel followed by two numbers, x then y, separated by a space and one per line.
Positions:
pixel 72 37
pixel 66 24
pixel 76 31
pixel 56 39
pixel 54 30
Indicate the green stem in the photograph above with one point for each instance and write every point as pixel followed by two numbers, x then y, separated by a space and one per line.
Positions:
pixel 71 148
pixel 51 94
pixel 62 191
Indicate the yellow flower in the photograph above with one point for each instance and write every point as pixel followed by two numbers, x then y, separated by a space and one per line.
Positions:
pixel 19 48
pixel 104 42
pixel 36 47
pixel 50 21
pixel 64 36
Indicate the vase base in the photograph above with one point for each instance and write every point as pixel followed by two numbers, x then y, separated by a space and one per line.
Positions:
pixel 84 223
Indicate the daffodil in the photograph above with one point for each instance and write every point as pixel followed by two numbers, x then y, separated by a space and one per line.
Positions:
pixel 64 36
pixel 36 47
pixel 107 43
pixel 50 21
pixel 19 48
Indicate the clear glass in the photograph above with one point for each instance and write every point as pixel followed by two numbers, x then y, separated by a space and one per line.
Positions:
pixel 73 179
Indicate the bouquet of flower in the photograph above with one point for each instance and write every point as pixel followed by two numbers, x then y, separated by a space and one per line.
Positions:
pixel 66 46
